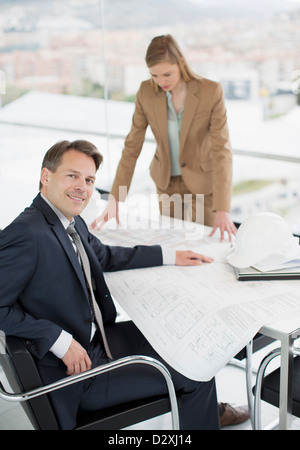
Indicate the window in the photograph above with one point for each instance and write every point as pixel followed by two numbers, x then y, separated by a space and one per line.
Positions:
pixel 71 69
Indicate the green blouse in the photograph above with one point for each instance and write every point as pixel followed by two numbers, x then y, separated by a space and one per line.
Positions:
pixel 174 125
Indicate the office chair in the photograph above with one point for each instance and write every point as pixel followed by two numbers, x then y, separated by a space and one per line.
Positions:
pixel 103 193
pixel 23 376
pixel 267 388
pixel 258 342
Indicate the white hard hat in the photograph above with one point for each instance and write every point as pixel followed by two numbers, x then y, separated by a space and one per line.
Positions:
pixel 260 236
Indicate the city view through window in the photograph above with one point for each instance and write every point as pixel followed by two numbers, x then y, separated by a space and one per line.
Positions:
pixel 71 70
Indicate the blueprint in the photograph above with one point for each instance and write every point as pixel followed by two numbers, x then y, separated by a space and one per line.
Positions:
pixel 198 317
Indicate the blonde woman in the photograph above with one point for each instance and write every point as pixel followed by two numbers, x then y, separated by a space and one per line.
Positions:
pixel 187 116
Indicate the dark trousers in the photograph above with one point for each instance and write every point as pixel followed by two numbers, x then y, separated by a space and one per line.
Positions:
pixel 198 401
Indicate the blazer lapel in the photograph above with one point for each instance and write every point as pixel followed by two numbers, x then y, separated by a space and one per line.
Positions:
pixel 66 243
pixel 190 105
pixel 160 112
pixel 61 235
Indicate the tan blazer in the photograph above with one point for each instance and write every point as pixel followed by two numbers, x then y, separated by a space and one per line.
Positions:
pixel 205 154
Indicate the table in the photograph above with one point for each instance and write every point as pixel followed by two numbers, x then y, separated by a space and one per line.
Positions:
pixel 286 331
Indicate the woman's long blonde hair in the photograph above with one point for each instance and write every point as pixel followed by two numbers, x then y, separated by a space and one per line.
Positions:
pixel 165 49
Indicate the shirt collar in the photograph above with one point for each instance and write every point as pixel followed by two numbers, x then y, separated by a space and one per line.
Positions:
pixel 65 222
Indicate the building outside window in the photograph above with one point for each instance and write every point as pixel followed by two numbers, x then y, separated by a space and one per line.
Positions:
pixel 71 70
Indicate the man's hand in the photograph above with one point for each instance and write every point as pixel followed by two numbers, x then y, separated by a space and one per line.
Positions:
pixel 189 258
pixel 76 359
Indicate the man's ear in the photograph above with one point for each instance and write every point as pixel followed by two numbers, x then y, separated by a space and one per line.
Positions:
pixel 44 176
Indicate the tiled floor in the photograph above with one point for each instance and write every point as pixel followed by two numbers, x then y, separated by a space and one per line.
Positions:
pixel 231 387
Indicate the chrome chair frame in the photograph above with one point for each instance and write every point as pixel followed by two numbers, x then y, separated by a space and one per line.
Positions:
pixel 257 343
pixel 135 359
pixel 258 386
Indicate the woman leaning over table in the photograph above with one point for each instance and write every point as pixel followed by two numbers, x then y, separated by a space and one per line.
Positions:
pixel 187 116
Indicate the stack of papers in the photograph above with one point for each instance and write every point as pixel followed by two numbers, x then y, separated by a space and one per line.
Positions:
pixel 281 261
pixel 276 267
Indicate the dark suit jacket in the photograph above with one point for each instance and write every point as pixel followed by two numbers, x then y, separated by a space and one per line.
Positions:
pixel 42 288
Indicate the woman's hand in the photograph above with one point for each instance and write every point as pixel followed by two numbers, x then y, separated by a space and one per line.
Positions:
pixel 224 222
pixel 110 212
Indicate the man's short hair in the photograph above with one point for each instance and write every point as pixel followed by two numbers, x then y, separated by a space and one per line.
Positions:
pixel 53 157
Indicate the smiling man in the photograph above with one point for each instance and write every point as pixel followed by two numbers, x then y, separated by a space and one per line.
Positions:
pixel 67 178
pixel 71 185
pixel 63 309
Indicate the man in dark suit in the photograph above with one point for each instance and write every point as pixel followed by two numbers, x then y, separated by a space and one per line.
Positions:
pixel 44 297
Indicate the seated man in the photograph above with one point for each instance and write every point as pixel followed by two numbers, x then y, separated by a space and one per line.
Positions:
pixel 54 296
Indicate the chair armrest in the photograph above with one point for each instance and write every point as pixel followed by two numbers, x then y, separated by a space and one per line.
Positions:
pixel 136 359
pixel 259 381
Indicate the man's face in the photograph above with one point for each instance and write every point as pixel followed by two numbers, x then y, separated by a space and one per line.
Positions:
pixel 70 187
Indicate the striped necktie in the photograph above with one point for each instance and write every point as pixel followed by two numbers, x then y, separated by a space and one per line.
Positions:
pixel 87 271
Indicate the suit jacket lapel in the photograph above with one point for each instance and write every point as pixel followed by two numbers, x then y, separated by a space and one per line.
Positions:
pixel 160 112
pixel 190 105
pixel 68 247
pixel 61 235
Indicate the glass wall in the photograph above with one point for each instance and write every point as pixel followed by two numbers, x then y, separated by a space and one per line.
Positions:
pixel 72 69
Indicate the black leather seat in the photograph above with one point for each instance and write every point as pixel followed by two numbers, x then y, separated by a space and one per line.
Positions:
pixel 271 383
pixel 267 388
pixel 22 374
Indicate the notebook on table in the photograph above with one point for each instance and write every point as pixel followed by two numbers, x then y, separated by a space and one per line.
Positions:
pixel 252 274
